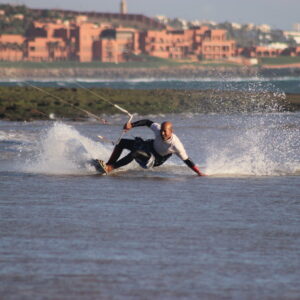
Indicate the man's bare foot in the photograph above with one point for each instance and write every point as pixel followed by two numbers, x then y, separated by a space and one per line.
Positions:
pixel 108 168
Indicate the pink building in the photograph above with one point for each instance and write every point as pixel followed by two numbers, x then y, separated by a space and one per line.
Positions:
pixel 202 42
pixel 50 42
pixel 84 41
pixel 261 51
pixel 174 44
pixel 216 45
pixel 12 47
pixel 117 45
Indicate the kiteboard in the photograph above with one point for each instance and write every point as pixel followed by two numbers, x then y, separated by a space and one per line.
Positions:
pixel 99 165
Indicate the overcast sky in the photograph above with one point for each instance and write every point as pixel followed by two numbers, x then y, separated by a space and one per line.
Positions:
pixel 277 13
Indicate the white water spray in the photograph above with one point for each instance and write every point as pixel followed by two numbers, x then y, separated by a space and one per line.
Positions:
pixel 63 150
pixel 256 145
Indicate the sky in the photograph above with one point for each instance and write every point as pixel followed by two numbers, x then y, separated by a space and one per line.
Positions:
pixel 280 14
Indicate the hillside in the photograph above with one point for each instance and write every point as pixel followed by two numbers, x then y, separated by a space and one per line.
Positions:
pixel 16 19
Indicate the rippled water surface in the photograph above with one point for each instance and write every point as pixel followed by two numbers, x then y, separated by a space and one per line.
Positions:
pixel 68 233
pixel 285 84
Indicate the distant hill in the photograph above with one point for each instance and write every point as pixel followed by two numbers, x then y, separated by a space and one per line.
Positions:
pixel 15 19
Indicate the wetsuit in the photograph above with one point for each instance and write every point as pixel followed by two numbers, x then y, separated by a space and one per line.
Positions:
pixel 153 152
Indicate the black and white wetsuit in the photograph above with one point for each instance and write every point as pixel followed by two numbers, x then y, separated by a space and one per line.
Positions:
pixel 153 152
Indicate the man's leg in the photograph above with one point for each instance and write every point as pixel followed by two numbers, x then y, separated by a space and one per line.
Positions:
pixel 113 162
pixel 121 163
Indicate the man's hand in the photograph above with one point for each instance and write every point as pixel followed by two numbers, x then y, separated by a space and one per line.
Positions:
pixel 127 126
pixel 191 165
pixel 197 170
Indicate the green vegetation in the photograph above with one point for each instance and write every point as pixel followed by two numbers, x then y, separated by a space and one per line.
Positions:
pixel 9 24
pixel 26 103
pixel 142 61
pixel 282 60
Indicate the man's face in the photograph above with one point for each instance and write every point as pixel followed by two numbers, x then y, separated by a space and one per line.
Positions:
pixel 166 131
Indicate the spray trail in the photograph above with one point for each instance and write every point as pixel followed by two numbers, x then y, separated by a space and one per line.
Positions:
pixel 61 149
pixel 256 144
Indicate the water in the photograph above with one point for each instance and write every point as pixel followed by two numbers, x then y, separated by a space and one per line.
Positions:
pixel 68 233
pixel 283 84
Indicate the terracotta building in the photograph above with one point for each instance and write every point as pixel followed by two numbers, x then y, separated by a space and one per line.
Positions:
pixel 176 44
pixel 195 43
pixel 86 35
pixel 12 47
pixel 260 51
pixel 216 45
pixel 81 41
pixel 49 41
pixel 85 41
pixel 117 45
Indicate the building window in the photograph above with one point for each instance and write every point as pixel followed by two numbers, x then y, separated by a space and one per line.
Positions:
pixel 32 48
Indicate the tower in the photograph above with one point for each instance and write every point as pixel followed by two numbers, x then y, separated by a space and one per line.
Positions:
pixel 123 7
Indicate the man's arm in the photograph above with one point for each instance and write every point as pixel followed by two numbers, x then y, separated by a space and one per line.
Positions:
pixel 139 123
pixel 191 165
pixel 181 153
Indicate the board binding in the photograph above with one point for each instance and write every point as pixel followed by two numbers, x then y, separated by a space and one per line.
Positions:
pixel 99 165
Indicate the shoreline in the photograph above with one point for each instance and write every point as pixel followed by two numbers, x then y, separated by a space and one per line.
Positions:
pixel 28 104
pixel 119 73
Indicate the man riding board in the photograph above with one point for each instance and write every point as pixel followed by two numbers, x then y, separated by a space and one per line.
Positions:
pixel 149 153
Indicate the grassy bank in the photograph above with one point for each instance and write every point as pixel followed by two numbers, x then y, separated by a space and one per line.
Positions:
pixel 142 62
pixel 26 103
pixel 147 62
pixel 282 60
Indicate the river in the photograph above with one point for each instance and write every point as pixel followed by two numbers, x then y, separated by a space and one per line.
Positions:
pixel 69 233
